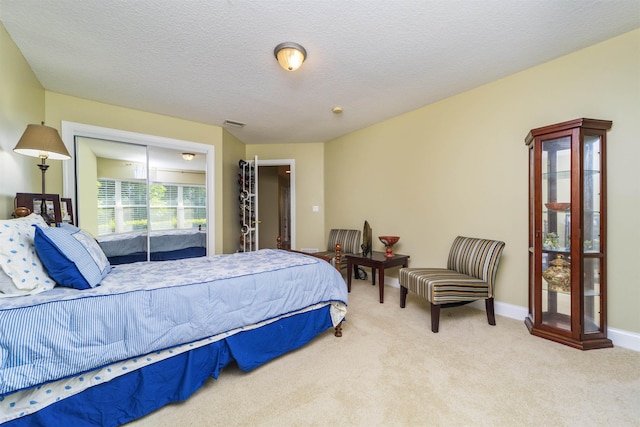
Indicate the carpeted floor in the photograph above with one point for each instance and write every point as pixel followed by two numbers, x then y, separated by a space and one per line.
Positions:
pixel 390 369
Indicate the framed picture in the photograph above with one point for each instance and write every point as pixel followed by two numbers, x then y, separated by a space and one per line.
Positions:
pixel 66 210
pixel 34 202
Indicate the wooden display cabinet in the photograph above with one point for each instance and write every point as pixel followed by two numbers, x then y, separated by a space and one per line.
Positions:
pixel 567 233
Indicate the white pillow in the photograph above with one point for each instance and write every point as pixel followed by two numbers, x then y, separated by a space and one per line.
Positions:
pixel 7 288
pixel 18 257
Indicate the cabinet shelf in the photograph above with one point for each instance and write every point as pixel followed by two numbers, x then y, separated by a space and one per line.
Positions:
pixel 566 174
pixel 591 293
pixel 550 250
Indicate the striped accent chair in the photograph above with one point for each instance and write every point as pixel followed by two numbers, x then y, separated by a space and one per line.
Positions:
pixel 470 275
pixel 349 240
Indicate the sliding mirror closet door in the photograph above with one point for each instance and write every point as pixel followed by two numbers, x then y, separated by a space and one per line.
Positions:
pixel 141 202
pixel 177 204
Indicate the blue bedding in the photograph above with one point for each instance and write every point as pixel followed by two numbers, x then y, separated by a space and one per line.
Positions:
pixel 143 307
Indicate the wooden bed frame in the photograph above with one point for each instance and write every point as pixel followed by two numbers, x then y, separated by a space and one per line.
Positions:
pixel 338 328
pixel 338 256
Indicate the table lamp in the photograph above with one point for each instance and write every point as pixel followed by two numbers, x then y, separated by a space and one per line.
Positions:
pixel 43 142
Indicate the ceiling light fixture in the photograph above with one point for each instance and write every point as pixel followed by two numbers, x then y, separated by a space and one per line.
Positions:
pixel 290 55
pixel 188 156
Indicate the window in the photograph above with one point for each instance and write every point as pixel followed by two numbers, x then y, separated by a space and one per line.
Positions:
pixel 122 206
pixel 106 207
pixel 194 200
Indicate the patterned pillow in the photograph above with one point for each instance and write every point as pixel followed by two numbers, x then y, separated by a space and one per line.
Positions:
pixel 71 256
pixel 7 288
pixel 18 257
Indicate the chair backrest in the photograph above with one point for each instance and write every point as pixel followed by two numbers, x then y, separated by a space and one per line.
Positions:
pixel 349 239
pixel 476 257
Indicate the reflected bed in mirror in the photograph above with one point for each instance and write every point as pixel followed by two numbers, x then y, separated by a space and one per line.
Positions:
pixel 165 245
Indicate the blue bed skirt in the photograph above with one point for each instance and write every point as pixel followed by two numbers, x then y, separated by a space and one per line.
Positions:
pixel 140 392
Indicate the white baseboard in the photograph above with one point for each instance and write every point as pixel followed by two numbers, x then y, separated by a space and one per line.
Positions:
pixel 619 337
pixel 624 339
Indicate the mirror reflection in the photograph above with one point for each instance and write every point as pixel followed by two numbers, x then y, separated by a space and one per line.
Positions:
pixel 141 202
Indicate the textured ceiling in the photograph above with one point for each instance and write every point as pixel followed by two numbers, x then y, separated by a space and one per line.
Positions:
pixel 209 61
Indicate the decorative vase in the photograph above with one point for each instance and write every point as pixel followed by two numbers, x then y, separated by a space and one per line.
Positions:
pixel 558 275
pixel 21 211
pixel 388 242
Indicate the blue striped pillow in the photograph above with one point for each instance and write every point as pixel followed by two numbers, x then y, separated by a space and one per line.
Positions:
pixel 71 256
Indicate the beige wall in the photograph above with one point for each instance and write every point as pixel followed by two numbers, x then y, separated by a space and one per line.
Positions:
pixel 87 188
pixel 234 151
pixel 61 107
pixel 118 169
pixel 459 166
pixel 309 178
pixel 21 103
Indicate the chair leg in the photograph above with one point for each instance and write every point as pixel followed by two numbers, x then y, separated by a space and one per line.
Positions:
pixel 435 317
pixel 491 316
pixel 403 296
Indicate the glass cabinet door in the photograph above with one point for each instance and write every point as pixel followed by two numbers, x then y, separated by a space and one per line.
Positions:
pixel 556 233
pixel 591 242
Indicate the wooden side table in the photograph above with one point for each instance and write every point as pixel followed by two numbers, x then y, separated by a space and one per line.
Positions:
pixel 377 261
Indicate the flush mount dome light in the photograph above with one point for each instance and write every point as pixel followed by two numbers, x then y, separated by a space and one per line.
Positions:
pixel 290 55
pixel 188 156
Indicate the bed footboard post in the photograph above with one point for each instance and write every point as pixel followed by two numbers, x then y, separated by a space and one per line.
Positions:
pixel 339 256
pixel 338 330
pixel 279 242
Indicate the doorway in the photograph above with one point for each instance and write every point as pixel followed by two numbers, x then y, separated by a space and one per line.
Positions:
pixel 276 203
pixel 274 206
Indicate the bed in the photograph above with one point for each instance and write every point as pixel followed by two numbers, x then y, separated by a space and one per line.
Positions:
pixel 165 245
pixel 151 333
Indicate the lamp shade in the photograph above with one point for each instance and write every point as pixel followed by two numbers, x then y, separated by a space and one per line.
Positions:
pixel 290 55
pixel 42 141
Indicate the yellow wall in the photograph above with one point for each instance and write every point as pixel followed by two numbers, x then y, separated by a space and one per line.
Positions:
pixel 61 107
pixel 87 188
pixel 21 103
pixel 309 178
pixel 118 169
pixel 460 166
pixel 234 151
